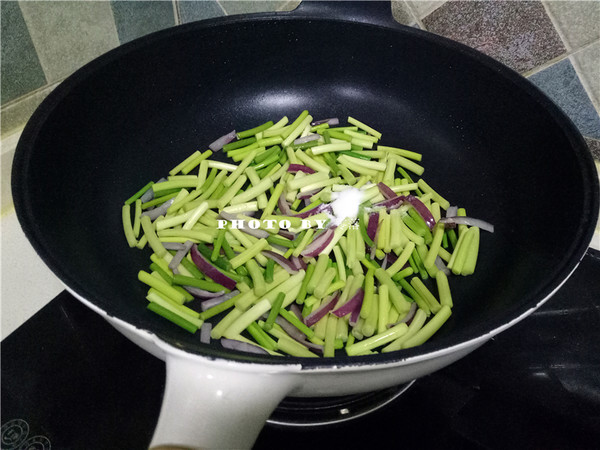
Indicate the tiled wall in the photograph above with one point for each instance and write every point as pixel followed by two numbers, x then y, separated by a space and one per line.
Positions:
pixel 554 43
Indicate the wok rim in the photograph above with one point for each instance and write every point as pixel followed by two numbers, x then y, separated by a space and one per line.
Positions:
pixel 459 339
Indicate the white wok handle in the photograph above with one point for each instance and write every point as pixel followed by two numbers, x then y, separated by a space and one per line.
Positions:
pixel 208 405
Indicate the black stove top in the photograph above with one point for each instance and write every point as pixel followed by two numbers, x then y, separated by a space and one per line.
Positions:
pixel 70 381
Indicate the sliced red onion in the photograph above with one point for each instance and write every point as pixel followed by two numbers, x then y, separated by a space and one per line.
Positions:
pixel 439 263
pixel 310 345
pixel 258 233
pixel 296 334
pixel 283 205
pixel 391 258
pixel 408 317
pixel 290 329
pixel 307 138
pixel 228 216
pixel 332 121
pixel 286 234
pixel 294 308
pixel 308 194
pixel 211 271
pixel 147 196
pixel 281 260
pixel 386 191
pixel 373 226
pixel 201 293
pixel 318 244
pixel 384 263
pixel 293 168
pixel 472 222
pixel 322 311
pixel 219 143
pixel 422 210
pixel 298 263
pixel 452 211
pixel 205 330
pixel 391 203
pixel 281 248
pixel 354 316
pixel 316 210
pixel 240 346
pixel 159 210
pixel 181 253
pixel 351 305
pixel 218 300
pixel 173 245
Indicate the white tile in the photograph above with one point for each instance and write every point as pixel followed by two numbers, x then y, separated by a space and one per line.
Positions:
pixel 26 284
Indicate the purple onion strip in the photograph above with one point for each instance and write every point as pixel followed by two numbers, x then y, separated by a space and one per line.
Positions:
pixel 281 260
pixel 211 271
pixel 205 330
pixel 201 293
pixel 181 253
pixel 240 346
pixel 322 311
pixel 331 121
pixel 470 221
pixel 318 244
pixel 159 210
pixel 223 140
pixel 351 305
pixel 283 205
pixel 307 138
pixel 218 300
pixel 386 190
pixel 408 317
pixel 293 168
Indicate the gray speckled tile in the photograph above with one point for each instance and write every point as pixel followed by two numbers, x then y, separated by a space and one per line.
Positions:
pixel 16 114
pixel 402 13
pixel 66 35
pixel 21 69
pixel 246 7
pixel 192 10
pixel 137 18
pixel 578 21
pixel 518 34
pixel 561 83
pixel 423 8
pixel 587 62
pixel 594 146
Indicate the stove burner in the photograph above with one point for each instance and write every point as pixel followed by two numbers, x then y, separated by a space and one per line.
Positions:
pixel 320 411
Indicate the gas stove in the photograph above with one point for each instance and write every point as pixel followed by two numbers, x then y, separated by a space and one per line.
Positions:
pixel 70 381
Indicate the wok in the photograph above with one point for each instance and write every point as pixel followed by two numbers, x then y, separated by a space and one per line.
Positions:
pixel 491 142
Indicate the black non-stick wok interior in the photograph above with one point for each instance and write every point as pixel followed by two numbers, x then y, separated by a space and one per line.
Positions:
pixel 490 142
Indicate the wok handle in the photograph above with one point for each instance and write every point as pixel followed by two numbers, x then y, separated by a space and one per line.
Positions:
pixel 212 404
pixel 372 12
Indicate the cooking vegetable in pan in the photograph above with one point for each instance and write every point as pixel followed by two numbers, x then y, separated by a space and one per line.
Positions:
pixel 318 240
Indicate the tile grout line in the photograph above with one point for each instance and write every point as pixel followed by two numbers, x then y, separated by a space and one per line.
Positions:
pixel 557 59
pixel 556 26
pixel 221 6
pixel 176 12
pixel 32 93
pixel 568 55
pixel 585 84
pixel 413 13
pixel 570 52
